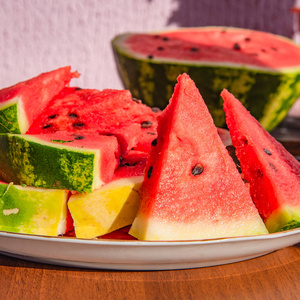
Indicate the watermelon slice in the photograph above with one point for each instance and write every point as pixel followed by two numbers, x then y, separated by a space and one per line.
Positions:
pixel 192 189
pixel 111 112
pixel 262 69
pixel 273 173
pixel 20 104
pixel 80 162
pixel 33 210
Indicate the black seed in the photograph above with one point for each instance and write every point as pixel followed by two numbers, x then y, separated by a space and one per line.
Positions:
pixel 150 56
pixel 259 173
pixel 156 109
pixel 274 49
pixel 254 54
pixel 137 100
pixel 154 142
pixel 223 31
pixel 52 116
pixel 194 49
pixel 79 137
pixel 157 36
pixel 267 151
pixel 78 124
pixel 151 133
pixel 245 181
pixel 160 48
pixel 272 166
pixel 146 124
pixel 247 39
pixel 78 89
pixel 263 50
pixel 165 38
pixel 47 126
pixel 149 173
pixel 197 169
pixel 73 115
pixel 236 46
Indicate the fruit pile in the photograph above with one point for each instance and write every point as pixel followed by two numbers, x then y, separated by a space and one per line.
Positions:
pixel 93 162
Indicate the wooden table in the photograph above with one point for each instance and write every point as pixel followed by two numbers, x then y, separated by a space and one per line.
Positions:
pixel 273 276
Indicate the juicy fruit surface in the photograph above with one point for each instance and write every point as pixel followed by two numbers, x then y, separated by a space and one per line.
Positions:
pixel 32 211
pixel 107 209
pixel 192 190
pixel 273 173
pixel 51 161
pixel 217 44
pixel 20 104
pixel 110 112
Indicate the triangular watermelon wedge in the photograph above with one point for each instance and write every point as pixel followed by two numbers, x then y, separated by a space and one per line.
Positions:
pixel 22 103
pixel 273 173
pixel 192 189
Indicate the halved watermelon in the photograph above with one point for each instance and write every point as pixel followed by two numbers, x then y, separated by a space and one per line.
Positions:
pixel 111 112
pixel 273 173
pixel 262 69
pixel 191 188
pixel 22 103
pixel 80 162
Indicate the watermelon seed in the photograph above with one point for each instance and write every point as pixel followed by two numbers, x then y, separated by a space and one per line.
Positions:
pixel 157 36
pixel 263 50
pixel 52 116
pixel 160 48
pixel 274 49
pixel 149 173
pixel 155 109
pixel 47 126
pixel 259 173
pixel 165 38
pixel 267 151
pixel 146 124
pixel 247 39
pixel 273 167
pixel 151 133
pixel 194 49
pixel 236 46
pixel 78 89
pixel 137 100
pixel 78 124
pixel 154 142
pixel 73 115
pixel 197 169
pixel 79 137
pixel 150 56
pixel 254 54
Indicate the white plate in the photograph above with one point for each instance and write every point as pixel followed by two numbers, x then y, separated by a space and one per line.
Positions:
pixel 141 255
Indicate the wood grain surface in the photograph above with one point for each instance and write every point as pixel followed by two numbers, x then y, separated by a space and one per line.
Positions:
pixel 273 276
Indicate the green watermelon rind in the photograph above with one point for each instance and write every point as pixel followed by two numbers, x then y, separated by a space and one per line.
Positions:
pixel 27 160
pixel 9 122
pixel 32 210
pixel 267 93
pixel 284 219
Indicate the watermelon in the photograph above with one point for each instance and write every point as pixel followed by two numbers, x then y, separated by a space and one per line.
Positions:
pixel 192 188
pixel 20 104
pixel 110 112
pixel 272 172
pixel 33 210
pixel 261 69
pixel 80 162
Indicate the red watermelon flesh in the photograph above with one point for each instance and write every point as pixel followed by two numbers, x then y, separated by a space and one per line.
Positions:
pixel 111 112
pixel 191 188
pixel 273 173
pixel 34 94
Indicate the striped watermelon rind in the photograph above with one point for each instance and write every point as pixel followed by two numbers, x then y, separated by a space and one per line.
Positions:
pixel 267 93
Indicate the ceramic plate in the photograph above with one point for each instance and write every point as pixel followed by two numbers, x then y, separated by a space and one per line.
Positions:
pixel 141 255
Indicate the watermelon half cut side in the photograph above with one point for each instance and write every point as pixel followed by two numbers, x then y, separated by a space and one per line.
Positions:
pixel 261 69
pixel 74 162
pixel 22 103
pixel 192 189
pixel 273 173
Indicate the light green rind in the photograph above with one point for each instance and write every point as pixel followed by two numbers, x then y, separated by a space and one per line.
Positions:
pixel 283 219
pixel 268 94
pixel 28 160
pixel 9 119
pixel 32 210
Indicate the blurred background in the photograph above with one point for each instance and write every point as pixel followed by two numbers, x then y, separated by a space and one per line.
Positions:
pixel 41 35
